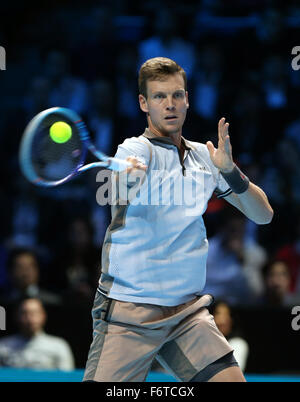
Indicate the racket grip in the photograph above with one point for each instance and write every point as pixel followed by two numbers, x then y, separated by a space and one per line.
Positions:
pixel 118 164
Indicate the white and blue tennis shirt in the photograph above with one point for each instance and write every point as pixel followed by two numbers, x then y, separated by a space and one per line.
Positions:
pixel 155 248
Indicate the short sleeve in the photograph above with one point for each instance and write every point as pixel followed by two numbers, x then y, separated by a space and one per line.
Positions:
pixel 135 147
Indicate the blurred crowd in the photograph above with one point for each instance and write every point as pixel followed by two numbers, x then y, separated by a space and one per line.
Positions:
pixel 86 57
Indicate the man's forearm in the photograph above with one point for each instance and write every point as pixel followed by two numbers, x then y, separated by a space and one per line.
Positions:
pixel 254 204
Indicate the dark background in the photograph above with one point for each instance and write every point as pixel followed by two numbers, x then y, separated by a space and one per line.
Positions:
pixel 242 47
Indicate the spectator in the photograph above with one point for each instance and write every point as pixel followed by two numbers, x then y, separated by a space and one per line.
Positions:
pixel 281 177
pixel 3 272
pixel 78 263
pixel 25 217
pixel 248 119
pixel 234 262
pixel 227 324
pixel 290 253
pixel 24 276
pixel 277 283
pixel 32 347
pixel 275 82
pixel 127 89
pixel 270 28
pixel 292 131
pixel 94 52
pixel 100 116
pixel 66 90
pixel 166 41
pixel 130 118
pixel 207 79
pixel 276 92
pixel 37 98
pixel 34 101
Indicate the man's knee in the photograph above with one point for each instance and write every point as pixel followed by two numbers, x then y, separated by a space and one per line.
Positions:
pixel 217 367
pixel 229 374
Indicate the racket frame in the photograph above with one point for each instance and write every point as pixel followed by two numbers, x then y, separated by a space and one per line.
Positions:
pixel 67 115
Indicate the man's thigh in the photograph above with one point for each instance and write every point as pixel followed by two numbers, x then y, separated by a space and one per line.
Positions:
pixel 120 350
pixel 195 344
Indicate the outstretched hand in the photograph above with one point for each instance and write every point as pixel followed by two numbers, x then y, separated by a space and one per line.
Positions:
pixel 222 156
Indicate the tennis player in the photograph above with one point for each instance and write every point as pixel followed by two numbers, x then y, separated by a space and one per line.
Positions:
pixel 149 303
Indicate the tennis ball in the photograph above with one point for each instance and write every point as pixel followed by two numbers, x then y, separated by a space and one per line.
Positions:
pixel 60 132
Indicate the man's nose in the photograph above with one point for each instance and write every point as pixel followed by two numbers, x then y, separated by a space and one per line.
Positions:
pixel 170 103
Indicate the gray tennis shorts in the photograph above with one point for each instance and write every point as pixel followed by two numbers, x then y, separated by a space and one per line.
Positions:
pixel 128 336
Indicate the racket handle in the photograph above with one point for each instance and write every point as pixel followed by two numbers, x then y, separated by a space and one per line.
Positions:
pixel 118 164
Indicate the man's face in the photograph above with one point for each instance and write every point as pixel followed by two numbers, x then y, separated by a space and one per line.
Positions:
pixel 25 271
pixel 223 319
pixel 166 104
pixel 31 317
pixel 278 280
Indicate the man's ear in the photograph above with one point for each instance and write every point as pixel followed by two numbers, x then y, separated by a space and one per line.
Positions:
pixel 187 99
pixel 143 103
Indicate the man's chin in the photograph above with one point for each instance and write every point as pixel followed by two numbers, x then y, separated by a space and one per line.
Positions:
pixel 172 129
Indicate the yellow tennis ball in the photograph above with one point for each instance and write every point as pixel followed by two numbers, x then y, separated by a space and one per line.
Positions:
pixel 60 132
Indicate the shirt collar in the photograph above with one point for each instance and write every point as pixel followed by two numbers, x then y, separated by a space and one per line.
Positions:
pixel 151 136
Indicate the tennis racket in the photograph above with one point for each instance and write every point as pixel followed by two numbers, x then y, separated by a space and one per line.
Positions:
pixel 46 162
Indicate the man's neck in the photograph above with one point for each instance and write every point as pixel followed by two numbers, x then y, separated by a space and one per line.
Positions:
pixel 175 137
pixel 31 335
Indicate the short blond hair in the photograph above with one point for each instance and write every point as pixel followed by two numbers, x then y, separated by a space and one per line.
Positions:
pixel 157 69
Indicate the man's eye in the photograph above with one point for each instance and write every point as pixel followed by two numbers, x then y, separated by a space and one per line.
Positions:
pixel 158 96
pixel 178 95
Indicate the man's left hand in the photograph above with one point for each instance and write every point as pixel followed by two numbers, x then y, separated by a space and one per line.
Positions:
pixel 222 156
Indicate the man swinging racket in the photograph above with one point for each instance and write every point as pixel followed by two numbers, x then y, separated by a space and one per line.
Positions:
pixel 149 303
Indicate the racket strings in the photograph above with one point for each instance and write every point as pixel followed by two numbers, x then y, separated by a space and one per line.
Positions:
pixel 51 160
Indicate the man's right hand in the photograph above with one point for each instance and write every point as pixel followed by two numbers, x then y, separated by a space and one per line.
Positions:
pixel 136 165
